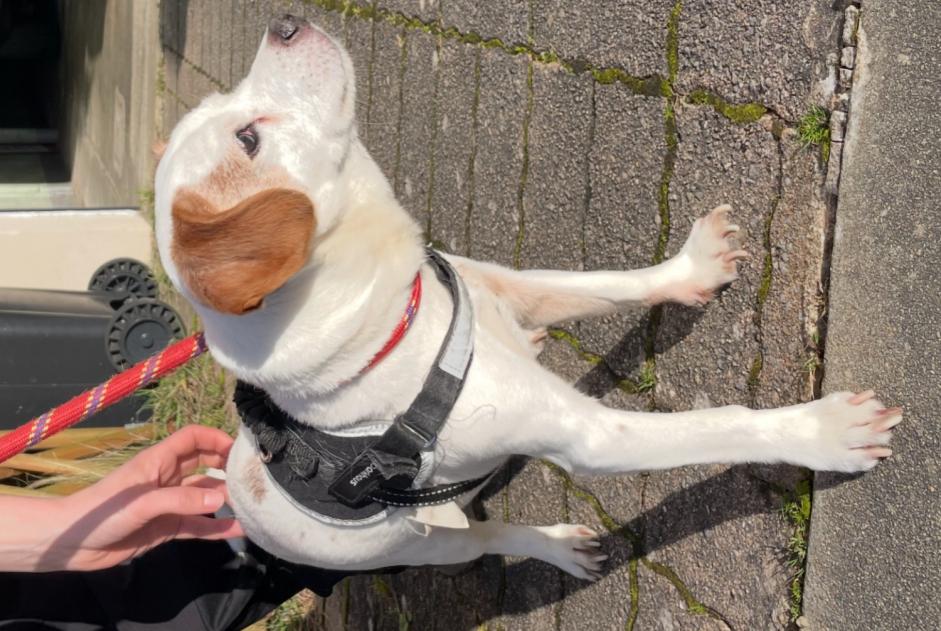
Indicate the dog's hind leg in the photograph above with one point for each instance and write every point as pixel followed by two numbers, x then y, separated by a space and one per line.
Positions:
pixel 543 297
pixel 571 547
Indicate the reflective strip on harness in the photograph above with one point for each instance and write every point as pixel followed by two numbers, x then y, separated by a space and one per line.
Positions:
pixel 353 479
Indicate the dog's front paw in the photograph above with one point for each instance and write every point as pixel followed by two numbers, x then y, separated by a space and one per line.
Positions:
pixel 706 262
pixel 845 432
pixel 574 549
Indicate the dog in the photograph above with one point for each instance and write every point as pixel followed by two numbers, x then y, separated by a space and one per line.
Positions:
pixel 278 226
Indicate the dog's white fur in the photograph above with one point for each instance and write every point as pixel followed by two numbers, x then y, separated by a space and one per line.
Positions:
pixel 316 331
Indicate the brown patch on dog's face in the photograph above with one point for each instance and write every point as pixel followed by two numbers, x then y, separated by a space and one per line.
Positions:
pixel 254 480
pixel 231 259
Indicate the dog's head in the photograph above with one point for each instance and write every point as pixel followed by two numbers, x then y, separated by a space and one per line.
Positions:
pixel 248 179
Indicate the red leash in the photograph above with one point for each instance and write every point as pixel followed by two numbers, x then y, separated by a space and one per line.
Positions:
pixel 91 401
pixel 96 399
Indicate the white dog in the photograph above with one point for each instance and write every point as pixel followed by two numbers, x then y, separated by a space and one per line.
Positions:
pixel 280 228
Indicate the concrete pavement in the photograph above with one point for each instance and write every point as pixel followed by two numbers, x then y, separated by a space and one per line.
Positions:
pixel 875 544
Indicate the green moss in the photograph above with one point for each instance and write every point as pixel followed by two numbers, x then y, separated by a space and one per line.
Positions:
pixel 291 615
pixel 385 591
pixel 754 374
pixel 796 509
pixel 564 336
pixel 589 498
pixel 693 605
pixel 739 114
pixel 673 44
pixel 635 595
pixel 645 86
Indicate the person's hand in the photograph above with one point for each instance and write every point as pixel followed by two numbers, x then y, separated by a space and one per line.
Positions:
pixel 152 498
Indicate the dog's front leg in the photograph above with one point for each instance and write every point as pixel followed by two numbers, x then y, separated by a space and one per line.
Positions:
pixel 841 432
pixel 541 298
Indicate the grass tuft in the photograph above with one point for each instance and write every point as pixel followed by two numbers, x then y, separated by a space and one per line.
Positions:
pixel 814 129
pixel 796 510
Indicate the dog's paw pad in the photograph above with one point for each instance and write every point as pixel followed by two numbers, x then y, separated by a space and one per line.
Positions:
pixel 708 260
pixel 574 548
pixel 848 432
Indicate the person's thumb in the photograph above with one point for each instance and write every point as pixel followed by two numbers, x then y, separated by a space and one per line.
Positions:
pixel 179 500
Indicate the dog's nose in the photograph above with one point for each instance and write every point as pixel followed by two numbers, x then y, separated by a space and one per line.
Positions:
pixel 285 26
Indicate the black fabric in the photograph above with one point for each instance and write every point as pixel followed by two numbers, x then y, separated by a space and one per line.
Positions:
pixel 189 585
pixel 415 429
pixel 355 478
pixel 283 439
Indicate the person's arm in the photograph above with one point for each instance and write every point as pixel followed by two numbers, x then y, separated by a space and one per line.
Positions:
pixel 152 498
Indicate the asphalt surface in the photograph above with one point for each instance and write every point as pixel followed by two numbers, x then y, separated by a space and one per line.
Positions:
pixel 875 545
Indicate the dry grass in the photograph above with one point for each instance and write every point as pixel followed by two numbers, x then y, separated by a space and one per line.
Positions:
pixel 71 460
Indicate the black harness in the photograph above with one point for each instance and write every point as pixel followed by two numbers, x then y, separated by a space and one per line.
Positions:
pixel 353 477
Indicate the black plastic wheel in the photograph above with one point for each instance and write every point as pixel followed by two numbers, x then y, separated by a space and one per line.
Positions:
pixel 139 329
pixel 124 276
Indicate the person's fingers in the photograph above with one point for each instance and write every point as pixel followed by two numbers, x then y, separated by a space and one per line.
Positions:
pixel 184 451
pixel 208 528
pixel 206 482
pixel 177 500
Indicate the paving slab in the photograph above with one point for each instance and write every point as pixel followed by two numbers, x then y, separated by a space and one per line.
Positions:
pixel 418 124
pixel 622 217
pixel 381 132
pixel 498 164
pixel 875 541
pixel 706 356
pixel 455 146
pixel 556 195
pixel 425 10
pixel 625 34
pixel 507 21
pixel 764 51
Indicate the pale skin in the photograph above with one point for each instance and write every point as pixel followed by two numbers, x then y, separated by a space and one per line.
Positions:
pixel 153 498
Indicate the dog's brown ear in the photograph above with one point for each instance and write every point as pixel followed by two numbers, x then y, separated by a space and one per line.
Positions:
pixel 231 259
pixel 158 149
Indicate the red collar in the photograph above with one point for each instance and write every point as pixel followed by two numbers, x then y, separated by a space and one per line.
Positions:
pixel 411 310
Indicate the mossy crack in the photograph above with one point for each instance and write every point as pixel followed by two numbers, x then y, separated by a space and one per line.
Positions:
pixel 432 146
pixel 796 508
pixel 403 66
pixel 644 383
pixel 634 587
pixel 198 69
pixel 764 286
pixel 472 159
pixel 524 170
pixel 693 604
pixel 609 523
pixel 738 113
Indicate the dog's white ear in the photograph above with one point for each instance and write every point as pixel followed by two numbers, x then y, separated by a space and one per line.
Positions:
pixel 231 259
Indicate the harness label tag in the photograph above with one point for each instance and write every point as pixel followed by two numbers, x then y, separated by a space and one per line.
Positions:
pixel 356 482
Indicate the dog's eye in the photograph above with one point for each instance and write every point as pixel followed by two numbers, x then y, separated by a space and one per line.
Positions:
pixel 248 138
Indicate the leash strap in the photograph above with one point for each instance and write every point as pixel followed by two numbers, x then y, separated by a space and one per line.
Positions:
pixel 392 463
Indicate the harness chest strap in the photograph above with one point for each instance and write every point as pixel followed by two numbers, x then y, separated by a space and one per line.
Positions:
pixel 354 476
pixel 386 470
